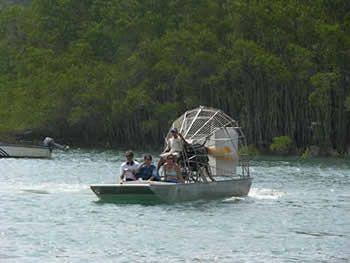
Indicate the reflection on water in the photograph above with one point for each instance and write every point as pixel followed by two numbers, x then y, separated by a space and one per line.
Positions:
pixel 296 211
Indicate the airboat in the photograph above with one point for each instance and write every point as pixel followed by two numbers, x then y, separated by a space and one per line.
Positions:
pixel 214 163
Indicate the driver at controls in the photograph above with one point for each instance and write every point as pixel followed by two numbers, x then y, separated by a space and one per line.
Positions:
pixel 175 145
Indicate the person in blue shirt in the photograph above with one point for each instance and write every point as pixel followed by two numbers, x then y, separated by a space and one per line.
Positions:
pixel 147 171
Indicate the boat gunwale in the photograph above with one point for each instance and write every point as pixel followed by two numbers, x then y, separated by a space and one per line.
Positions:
pixel 156 183
pixel 26 157
pixel 24 146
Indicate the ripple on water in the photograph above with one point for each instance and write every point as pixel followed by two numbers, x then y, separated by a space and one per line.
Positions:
pixel 295 211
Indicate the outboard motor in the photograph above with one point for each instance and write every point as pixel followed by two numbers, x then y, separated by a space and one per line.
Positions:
pixel 50 142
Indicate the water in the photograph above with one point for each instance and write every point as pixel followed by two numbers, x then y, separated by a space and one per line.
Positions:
pixel 296 211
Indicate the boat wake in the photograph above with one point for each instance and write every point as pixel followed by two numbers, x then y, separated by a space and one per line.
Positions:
pixel 234 199
pixel 46 188
pixel 265 193
pixel 259 194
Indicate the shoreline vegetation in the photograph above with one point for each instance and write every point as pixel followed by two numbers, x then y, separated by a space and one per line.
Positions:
pixel 111 73
pixel 309 152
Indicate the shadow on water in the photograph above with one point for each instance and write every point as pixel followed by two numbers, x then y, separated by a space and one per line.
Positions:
pixel 151 201
pixel 129 200
pixel 320 234
pixel 35 191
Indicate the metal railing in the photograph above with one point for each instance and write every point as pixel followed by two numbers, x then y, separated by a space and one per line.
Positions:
pixel 244 163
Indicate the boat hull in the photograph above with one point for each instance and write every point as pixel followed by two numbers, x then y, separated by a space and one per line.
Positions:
pixel 170 192
pixel 24 151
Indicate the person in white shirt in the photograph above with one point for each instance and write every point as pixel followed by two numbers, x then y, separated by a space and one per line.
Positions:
pixel 129 168
pixel 51 144
pixel 175 146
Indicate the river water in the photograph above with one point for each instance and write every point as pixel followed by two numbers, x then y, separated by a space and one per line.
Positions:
pixel 296 211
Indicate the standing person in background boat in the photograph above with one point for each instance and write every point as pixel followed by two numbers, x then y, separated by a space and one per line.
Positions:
pixel 147 171
pixel 49 142
pixel 128 169
pixel 172 171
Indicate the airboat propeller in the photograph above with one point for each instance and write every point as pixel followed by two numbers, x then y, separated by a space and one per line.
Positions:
pixel 218 133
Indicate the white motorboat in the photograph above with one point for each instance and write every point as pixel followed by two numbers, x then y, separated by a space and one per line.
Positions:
pixel 30 151
pixel 24 151
pixel 210 163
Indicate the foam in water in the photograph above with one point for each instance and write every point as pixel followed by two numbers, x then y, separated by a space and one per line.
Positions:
pixel 46 188
pixel 260 194
pixel 265 193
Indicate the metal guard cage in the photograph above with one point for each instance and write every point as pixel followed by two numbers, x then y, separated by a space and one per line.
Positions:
pixel 216 145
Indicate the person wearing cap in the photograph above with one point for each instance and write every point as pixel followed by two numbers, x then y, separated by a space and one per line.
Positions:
pixel 175 144
pixel 129 168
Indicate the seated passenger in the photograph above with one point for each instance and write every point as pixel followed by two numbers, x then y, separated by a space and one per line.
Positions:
pixel 147 171
pixel 128 169
pixel 172 171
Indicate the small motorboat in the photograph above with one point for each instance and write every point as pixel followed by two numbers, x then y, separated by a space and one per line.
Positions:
pixel 24 151
pixel 209 163
pixel 8 150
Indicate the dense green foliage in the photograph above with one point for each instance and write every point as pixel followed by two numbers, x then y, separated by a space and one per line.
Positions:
pixel 119 71
pixel 6 3
pixel 281 144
